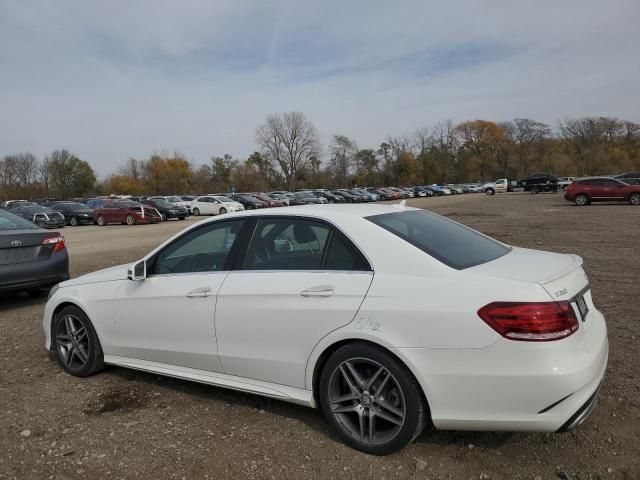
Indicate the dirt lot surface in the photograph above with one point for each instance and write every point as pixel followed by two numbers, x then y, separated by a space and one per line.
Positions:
pixel 125 424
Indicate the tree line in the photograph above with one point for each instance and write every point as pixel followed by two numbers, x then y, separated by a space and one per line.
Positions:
pixel 290 156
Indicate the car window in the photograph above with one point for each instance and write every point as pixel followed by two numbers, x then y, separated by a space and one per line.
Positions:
pixel 286 244
pixel 342 255
pixel 605 182
pixel 203 250
pixel 449 242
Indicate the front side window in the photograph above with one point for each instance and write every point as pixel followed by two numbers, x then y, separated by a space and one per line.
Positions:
pixel 203 250
pixel 449 242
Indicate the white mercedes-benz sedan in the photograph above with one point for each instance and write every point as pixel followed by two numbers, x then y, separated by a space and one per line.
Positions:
pixel 387 318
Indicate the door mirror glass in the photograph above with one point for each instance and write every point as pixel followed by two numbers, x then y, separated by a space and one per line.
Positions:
pixel 138 271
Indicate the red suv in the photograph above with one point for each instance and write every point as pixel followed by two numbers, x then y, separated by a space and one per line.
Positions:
pixel 583 192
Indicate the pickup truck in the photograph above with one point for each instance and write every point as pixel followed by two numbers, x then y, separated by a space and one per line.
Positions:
pixel 501 185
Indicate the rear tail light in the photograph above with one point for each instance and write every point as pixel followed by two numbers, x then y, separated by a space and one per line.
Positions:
pixel 57 242
pixel 530 322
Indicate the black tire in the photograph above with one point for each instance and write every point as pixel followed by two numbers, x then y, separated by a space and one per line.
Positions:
pixel 101 221
pixel 74 222
pixel 83 347
pixel 181 218
pixel 535 190
pixel 490 191
pixel 408 395
pixel 634 199
pixel 582 200
pixel 196 212
pixel 222 211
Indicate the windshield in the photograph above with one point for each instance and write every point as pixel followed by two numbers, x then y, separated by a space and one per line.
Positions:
pixel 174 199
pixel 9 221
pixel 451 243
pixel 223 199
pixel 306 195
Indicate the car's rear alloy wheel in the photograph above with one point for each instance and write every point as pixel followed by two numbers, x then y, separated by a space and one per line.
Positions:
pixel 634 199
pixel 196 212
pixel 130 220
pixel 101 221
pixel 76 344
pixel 372 401
pixel 582 200
pixel 74 222
pixel 223 211
pixel 535 190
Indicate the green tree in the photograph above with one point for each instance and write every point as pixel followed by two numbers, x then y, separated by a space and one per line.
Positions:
pixel 70 176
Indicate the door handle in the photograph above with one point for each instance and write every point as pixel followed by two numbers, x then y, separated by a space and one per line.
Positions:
pixel 199 292
pixel 319 291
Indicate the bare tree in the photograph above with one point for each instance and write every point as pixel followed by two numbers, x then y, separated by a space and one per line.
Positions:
pixel 291 140
pixel 133 168
pixel 342 150
pixel 525 134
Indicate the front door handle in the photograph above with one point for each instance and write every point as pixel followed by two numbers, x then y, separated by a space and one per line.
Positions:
pixel 319 291
pixel 199 292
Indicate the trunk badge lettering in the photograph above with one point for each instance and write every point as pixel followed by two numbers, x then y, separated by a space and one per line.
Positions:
pixel 16 243
pixel 560 293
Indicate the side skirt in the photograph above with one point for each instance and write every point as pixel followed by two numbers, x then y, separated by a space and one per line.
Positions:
pixel 273 390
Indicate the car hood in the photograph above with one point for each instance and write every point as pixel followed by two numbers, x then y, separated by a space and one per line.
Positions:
pixel 106 275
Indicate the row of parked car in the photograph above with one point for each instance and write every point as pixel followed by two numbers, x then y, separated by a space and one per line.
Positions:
pixel 130 210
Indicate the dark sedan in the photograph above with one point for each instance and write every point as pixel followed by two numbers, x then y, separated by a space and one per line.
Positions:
pixel 348 197
pixel 74 213
pixel 31 258
pixel 331 198
pixel 167 209
pixel 44 217
pixel 247 201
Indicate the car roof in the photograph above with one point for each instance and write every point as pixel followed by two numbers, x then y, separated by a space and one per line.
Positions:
pixel 324 211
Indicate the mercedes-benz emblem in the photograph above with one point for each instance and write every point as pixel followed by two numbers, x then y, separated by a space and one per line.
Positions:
pixel 16 243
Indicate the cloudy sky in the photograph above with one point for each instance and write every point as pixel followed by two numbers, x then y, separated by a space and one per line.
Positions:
pixel 113 79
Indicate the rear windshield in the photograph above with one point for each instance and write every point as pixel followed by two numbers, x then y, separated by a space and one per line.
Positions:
pixel 453 244
pixel 9 221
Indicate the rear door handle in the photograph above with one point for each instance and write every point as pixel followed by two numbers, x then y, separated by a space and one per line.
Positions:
pixel 199 292
pixel 319 291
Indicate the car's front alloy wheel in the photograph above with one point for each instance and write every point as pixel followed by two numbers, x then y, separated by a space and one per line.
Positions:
pixel 77 347
pixel 74 222
pixel 634 199
pixel 582 200
pixel 371 399
pixel 196 212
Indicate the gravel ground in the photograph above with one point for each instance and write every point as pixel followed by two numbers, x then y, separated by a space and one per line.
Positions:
pixel 126 424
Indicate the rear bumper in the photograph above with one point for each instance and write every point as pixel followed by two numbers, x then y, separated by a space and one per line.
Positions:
pixel 514 386
pixel 22 276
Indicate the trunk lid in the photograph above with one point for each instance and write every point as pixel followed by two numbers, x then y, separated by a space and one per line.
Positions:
pixel 20 246
pixel 561 275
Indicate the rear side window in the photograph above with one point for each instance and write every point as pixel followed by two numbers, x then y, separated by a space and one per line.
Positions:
pixel 453 244
pixel 287 244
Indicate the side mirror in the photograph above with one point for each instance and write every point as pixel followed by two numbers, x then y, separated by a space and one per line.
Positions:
pixel 138 271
